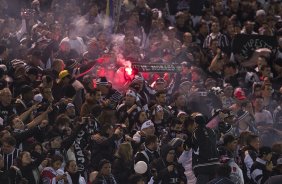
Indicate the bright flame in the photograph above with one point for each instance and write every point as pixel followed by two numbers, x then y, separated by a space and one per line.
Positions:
pixel 128 71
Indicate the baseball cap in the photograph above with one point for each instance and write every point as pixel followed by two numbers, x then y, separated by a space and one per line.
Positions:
pixel 69 105
pixel 264 150
pixel 102 81
pixel 38 98
pixel 63 74
pixel 147 124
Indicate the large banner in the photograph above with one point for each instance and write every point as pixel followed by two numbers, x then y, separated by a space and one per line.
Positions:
pixel 245 45
pixel 157 67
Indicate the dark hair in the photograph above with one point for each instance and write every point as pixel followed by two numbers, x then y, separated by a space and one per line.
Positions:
pixel 159 93
pixel 251 138
pixel 93 91
pixel 150 139
pixel 10 140
pixel 230 64
pixel 102 163
pixel 135 178
pixel 228 139
pixel 56 158
pixel 176 95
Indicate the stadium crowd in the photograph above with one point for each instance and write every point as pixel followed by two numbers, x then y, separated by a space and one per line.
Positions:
pixel 205 107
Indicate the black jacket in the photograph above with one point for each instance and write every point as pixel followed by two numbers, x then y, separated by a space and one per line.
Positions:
pixel 121 170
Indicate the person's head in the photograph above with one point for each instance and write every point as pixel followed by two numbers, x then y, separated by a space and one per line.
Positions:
pixel 136 179
pixel 125 151
pixel 148 127
pixel 103 85
pixel 141 117
pixel 265 153
pixel 130 98
pixel 8 144
pixel 230 69
pixel 160 84
pixel 107 130
pixel 105 168
pixel 196 74
pixel 70 110
pixel 161 97
pixel 230 142
pixel 152 142
pixel 16 122
pixel 267 90
pixel 178 145
pixel 215 27
pixel 56 141
pixel 168 153
pixel 93 95
pixel 257 89
pixel 158 112
pixel 64 77
pixel 58 65
pixel 261 61
pixel 24 158
pixel 56 162
pixel 187 38
pixel 71 166
pixel 37 147
pixel 179 99
pixel 258 103
pixel 5 97
pixel 203 28
pixel 254 141
pixel 228 90
pixel 27 93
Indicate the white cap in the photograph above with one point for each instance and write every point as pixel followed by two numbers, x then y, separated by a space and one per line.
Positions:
pixel 140 167
pixel 38 98
pixel 147 124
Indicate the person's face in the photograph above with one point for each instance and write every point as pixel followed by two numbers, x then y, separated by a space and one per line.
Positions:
pixel 142 117
pixel 150 130
pixel 170 156
pixel 233 145
pixel 38 149
pixel 228 91
pixel 160 86
pixel 103 88
pixel 255 143
pixel 98 95
pixel 57 165
pixel 257 91
pixel 204 29
pixel 26 159
pixel 18 123
pixel 71 112
pixel 267 91
pixel 106 169
pixel 261 62
pixel 94 10
pixel 258 103
pixel 181 101
pixel 187 38
pixel 57 142
pixel 6 148
pixel 215 27
pixel 6 98
pixel 72 167
pixel 155 145
pixel 161 99
pixel 129 100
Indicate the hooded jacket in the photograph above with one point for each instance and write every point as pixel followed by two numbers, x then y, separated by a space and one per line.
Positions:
pixel 163 175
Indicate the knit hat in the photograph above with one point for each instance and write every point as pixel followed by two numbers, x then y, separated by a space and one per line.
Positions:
pixel 140 167
pixel 176 142
pixel 70 105
pixel 131 93
pixel 239 94
pixel 102 81
pixel 147 124
pixel 200 119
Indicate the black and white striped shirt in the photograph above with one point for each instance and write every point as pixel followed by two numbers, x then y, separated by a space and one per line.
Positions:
pixel 11 158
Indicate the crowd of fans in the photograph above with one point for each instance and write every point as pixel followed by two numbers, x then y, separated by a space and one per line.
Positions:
pixel 74 109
